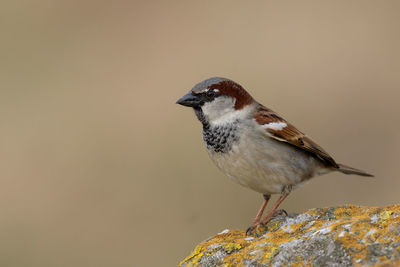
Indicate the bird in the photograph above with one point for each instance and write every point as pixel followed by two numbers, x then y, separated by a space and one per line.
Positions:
pixel 254 146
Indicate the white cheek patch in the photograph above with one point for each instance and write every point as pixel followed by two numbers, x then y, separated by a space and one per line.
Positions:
pixel 277 126
pixel 222 110
pixel 219 107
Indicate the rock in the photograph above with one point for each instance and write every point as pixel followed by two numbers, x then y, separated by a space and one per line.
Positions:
pixel 342 236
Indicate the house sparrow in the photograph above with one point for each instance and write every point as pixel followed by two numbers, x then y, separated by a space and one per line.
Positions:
pixel 253 145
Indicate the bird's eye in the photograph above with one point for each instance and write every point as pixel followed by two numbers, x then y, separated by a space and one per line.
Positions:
pixel 210 93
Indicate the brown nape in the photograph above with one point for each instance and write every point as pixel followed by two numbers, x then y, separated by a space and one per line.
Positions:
pixel 234 90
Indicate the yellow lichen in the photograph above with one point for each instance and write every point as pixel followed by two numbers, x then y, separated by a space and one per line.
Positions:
pixel 385 214
pixel 232 246
pixel 194 257
pixel 352 226
pixel 269 254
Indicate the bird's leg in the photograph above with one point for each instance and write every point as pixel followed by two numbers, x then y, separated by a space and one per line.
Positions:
pixel 260 212
pixel 285 192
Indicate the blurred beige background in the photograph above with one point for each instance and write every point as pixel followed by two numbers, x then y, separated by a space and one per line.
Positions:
pixel 98 165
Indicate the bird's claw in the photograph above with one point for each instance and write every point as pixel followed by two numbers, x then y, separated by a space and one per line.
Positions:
pixel 249 230
pixel 279 213
pixel 252 230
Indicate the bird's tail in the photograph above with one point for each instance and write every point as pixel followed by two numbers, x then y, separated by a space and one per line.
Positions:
pixel 349 170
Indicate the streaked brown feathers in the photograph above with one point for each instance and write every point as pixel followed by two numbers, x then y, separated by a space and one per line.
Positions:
pixel 291 135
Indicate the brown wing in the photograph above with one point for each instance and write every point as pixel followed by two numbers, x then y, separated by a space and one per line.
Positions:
pixel 283 131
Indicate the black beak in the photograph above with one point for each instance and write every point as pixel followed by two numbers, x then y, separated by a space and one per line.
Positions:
pixel 190 100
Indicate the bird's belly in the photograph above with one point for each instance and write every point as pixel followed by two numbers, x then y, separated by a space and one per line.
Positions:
pixel 266 166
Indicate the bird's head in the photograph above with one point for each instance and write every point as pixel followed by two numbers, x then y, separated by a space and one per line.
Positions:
pixel 217 100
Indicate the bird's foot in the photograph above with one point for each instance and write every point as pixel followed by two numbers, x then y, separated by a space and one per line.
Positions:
pixel 279 213
pixel 256 229
pixel 273 214
pixel 261 226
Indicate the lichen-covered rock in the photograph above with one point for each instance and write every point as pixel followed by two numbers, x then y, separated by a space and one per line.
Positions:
pixel 342 236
